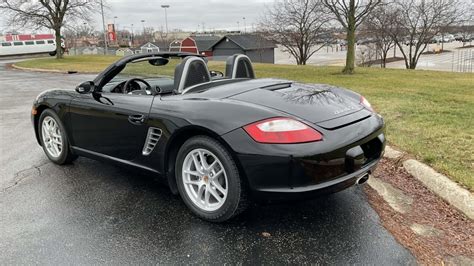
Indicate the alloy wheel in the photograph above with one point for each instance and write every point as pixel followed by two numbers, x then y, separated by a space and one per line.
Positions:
pixel 51 134
pixel 205 179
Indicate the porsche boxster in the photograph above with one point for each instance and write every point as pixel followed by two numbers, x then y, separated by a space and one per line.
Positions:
pixel 219 140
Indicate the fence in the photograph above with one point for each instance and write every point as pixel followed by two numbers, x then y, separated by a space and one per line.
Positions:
pixel 463 60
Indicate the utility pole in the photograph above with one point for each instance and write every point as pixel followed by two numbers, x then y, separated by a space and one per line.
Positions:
pixel 103 26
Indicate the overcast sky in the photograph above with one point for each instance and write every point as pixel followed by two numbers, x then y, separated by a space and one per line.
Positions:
pixel 187 14
pixel 183 14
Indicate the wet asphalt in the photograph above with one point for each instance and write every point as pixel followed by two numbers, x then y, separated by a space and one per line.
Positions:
pixel 95 213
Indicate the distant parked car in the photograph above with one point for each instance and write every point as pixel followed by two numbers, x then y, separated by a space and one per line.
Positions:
pixel 407 41
pixel 467 38
pixel 448 38
pixel 436 39
pixel 342 42
pixel 458 37
pixel 365 41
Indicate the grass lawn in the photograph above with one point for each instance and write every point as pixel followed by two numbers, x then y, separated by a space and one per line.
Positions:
pixel 429 114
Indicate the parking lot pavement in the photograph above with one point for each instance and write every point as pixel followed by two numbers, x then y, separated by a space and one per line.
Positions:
pixel 91 212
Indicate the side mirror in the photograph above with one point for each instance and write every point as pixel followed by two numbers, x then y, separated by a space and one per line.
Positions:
pixel 85 87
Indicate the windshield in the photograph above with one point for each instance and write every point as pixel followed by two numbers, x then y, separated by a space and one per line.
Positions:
pixel 161 76
pixel 144 69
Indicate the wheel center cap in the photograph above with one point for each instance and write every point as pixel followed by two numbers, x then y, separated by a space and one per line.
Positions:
pixel 205 178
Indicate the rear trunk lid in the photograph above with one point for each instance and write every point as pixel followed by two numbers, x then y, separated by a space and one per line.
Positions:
pixel 325 105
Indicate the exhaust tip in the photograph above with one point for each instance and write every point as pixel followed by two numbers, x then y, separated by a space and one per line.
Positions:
pixel 361 180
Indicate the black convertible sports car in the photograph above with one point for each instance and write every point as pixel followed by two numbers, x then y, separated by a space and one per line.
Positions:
pixel 218 139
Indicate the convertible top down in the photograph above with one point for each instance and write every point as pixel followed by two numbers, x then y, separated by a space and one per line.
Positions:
pixel 218 139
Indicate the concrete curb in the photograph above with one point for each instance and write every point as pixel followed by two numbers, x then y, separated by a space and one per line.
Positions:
pixel 443 187
pixel 393 196
pixel 52 70
pixel 393 154
pixel 39 69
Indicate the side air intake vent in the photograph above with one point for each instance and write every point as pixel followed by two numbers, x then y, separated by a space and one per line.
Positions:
pixel 152 138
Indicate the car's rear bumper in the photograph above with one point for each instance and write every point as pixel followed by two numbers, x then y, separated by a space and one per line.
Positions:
pixel 311 191
pixel 309 169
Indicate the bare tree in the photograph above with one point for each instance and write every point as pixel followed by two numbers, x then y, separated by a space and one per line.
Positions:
pixel 297 25
pixel 49 14
pixel 418 22
pixel 350 13
pixel 367 55
pixel 379 26
pixel 467 34
pixel 467 27
pixel 77 34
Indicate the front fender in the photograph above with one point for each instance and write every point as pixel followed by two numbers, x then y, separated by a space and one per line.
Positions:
pixel 58 101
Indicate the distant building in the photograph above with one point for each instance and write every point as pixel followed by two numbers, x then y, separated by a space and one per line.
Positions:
pixel 204 43
pixel 257 48
pixel 195 44
pixel 188 45
pixel 28 37
pixel 175 46
pixel 149 47
pixel 123 51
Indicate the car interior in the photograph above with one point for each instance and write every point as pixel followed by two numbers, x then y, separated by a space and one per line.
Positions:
pixel 191 74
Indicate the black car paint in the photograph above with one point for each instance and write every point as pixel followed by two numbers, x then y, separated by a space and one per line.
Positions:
pixel 98 126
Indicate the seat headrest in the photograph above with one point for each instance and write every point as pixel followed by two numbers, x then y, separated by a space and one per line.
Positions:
pixel 191 71
pixel 239 66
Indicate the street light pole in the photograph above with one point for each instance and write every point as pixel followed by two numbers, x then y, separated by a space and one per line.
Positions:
pixel 245 25
pixel 131 35
pixel 116 25
pixel 143 24
pixel 103 26
pixel 166 17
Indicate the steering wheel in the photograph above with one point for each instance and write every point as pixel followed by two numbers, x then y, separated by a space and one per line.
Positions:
pixel 216 73
pixel 128 83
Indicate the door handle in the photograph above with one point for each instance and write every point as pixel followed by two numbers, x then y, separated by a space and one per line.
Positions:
pixel 136 119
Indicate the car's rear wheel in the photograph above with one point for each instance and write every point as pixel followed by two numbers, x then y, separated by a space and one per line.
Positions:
pixel 208 180
pixel 54 139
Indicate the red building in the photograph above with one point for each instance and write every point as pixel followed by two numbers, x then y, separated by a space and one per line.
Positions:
pixel 195 44
pixel 189 45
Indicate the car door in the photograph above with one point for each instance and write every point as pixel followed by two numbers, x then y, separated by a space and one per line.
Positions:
pixel 111 124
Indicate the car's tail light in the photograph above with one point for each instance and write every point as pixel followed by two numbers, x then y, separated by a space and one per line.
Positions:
pixel 282 130
pixel 366 103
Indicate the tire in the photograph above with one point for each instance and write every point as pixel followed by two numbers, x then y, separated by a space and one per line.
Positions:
pixel 57 156
pixel 224 176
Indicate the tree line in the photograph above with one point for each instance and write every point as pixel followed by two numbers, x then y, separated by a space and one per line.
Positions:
pixel 302 27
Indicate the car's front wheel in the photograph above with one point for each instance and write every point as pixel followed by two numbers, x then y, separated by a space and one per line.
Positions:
pixel 54 139
pixel 208 180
